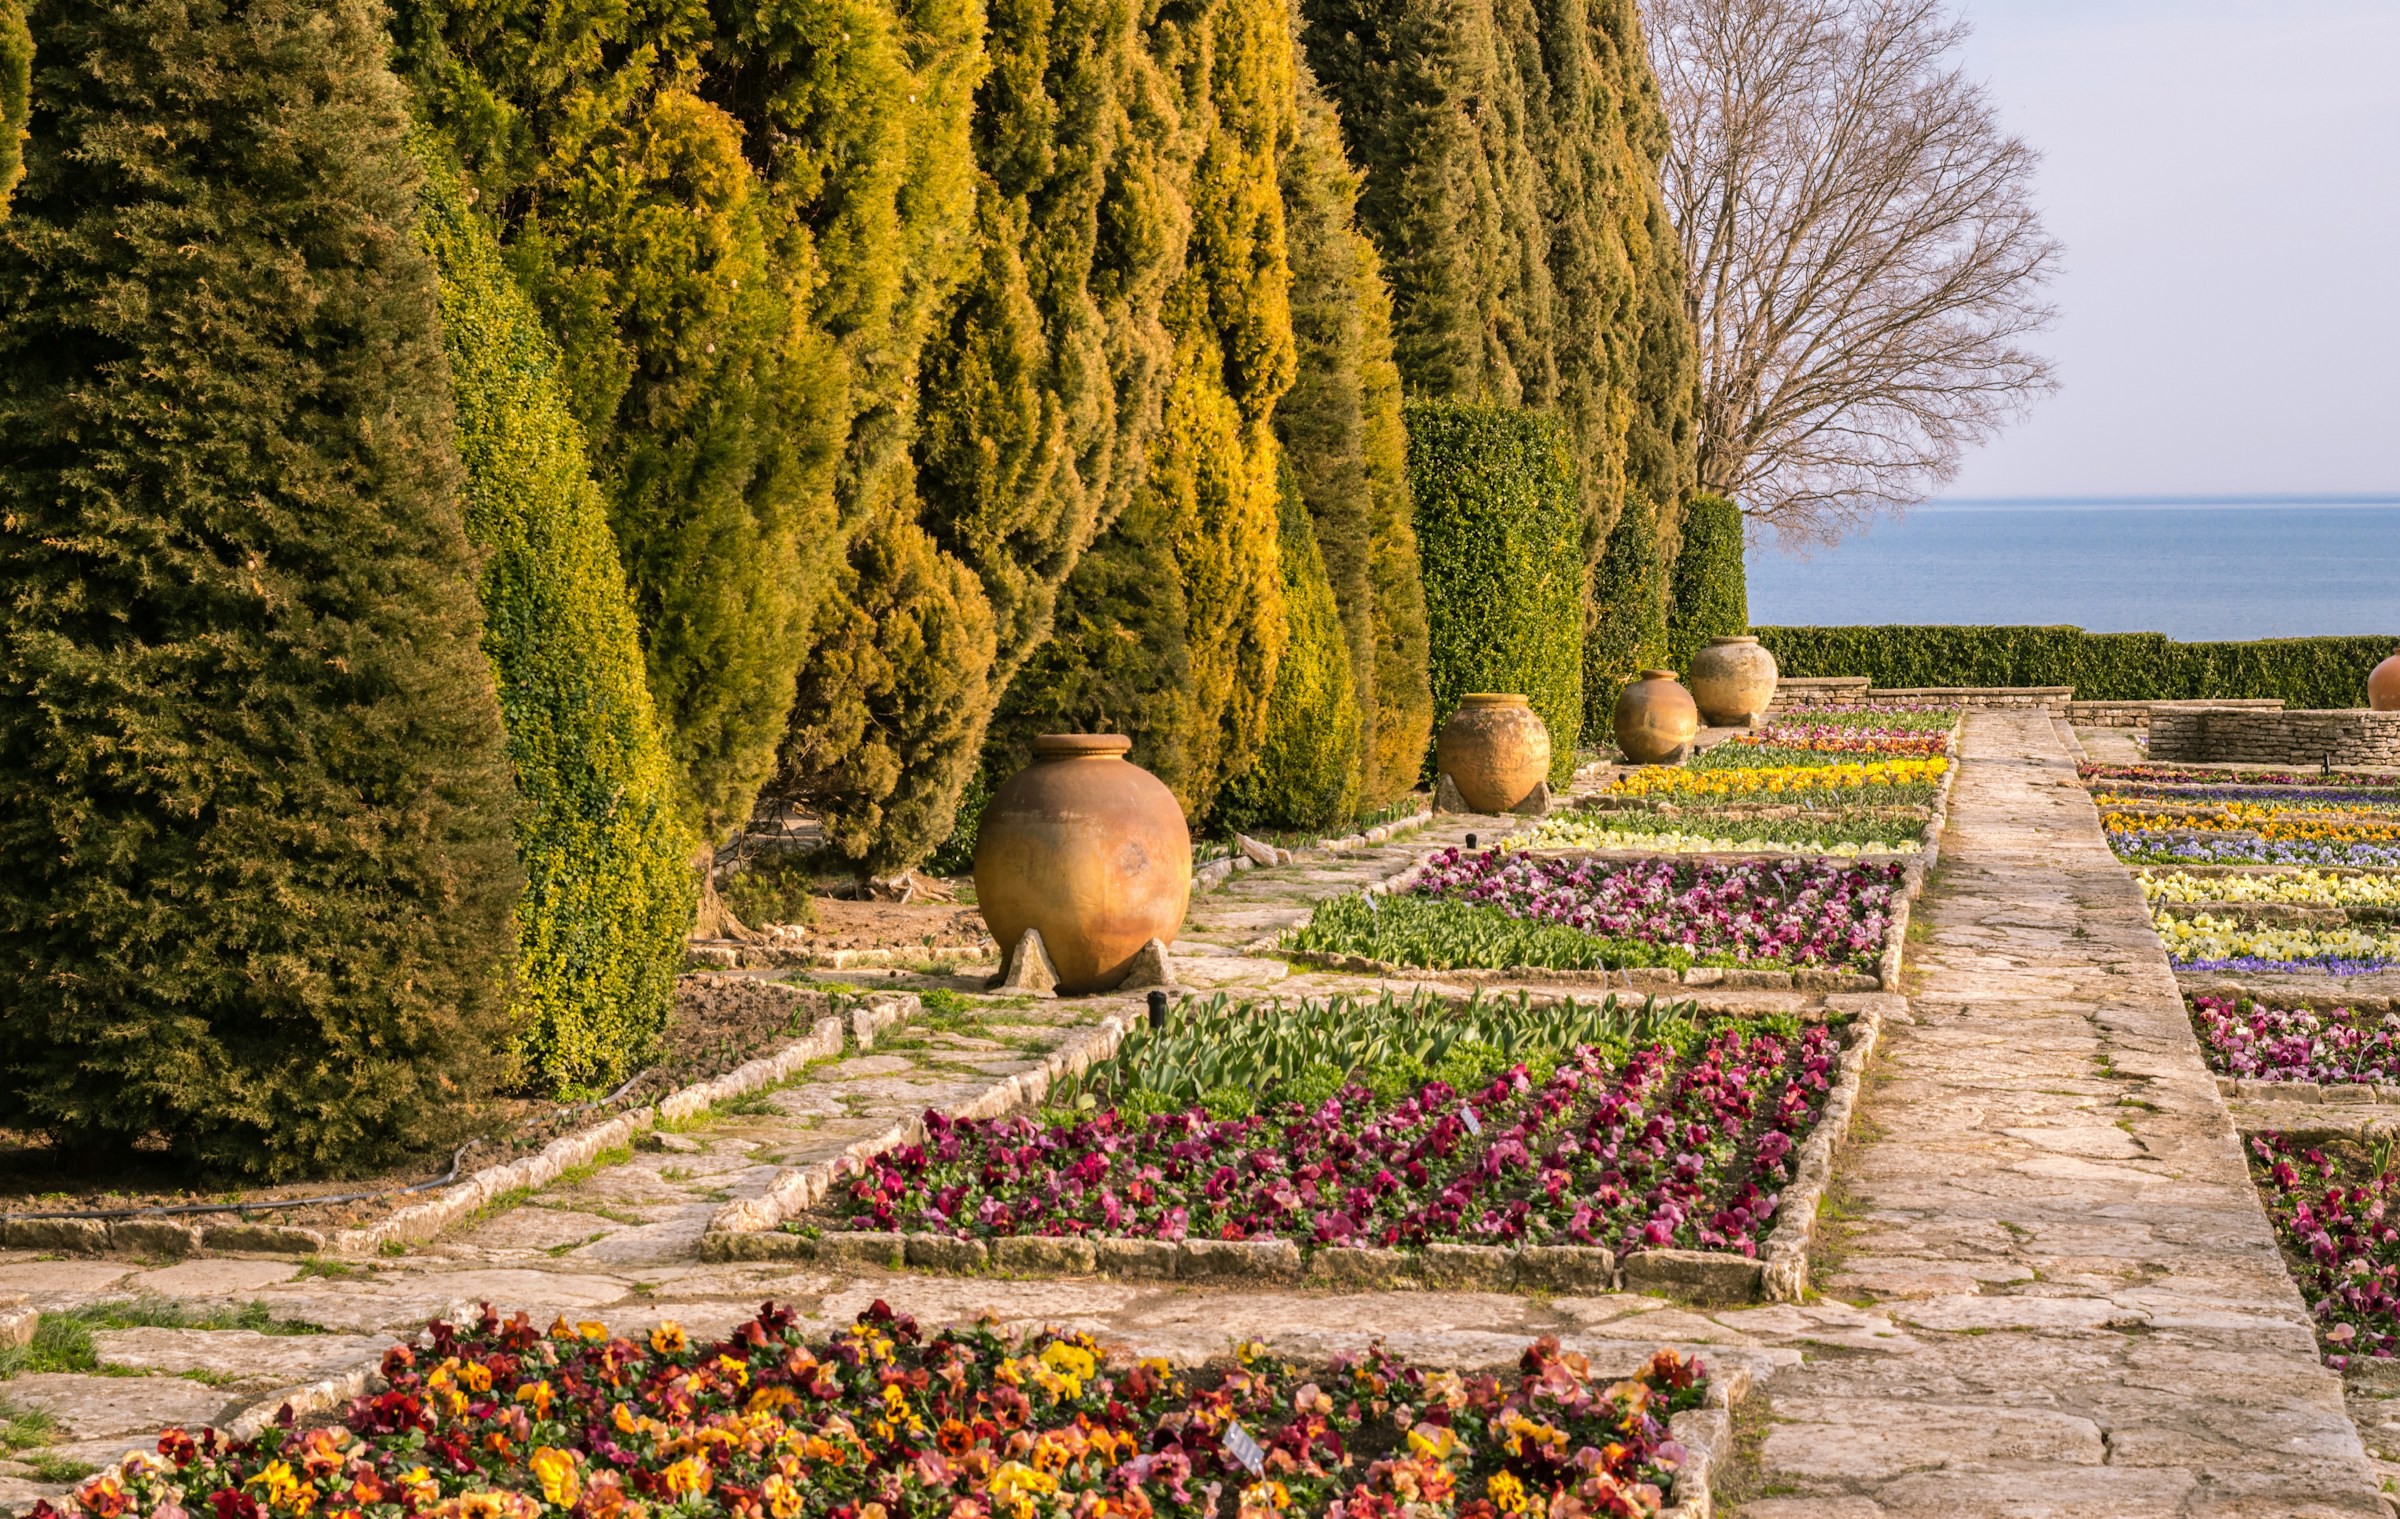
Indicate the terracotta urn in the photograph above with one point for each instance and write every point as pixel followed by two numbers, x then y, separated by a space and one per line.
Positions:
pixel 2383 685
pixel 1656 719
pixel 1090 849
pixel 1495 748
pixel 1733 680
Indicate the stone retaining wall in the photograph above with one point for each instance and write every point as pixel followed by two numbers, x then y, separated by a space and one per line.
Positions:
pixel 2136 714
pixel 2237 735
pixel 1855 691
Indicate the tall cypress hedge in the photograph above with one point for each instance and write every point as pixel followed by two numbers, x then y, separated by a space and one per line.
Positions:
pixel 1500 530
pixel 2305 672
pixel 1171 625
pixel 738 224
pixel 1711 591
pixel 1311 765
pixel 608 885
pixel 1341 430
pixel 1512 159
pixel 16 79
pixel 255 877
pixel 1040 385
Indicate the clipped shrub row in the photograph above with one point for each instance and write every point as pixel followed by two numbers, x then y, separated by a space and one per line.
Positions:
pixel 2305 672
pixel 1500 537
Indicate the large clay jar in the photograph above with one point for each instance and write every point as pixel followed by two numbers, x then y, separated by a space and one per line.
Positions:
pixel 1656 719
pixel 1733 680
pixel 1089 848
pixel 1495 749
pixel 2383 686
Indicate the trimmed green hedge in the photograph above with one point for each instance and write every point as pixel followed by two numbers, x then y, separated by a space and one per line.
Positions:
pixel 1500 537
pixel 2305 672
pixel 1711 595
pixel 609 885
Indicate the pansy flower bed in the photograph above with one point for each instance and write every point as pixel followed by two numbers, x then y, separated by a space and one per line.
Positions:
pixel 1671 1141
pixel 1835 739
pixel 2206 942
pixel 1776 912
pixel 2336 1211
pixel 504 1420
pixel 1845 835
pixel 2297 888
pixel 2166 775
pixel 1883 782
pixel 2180 846
pixel 2257 1041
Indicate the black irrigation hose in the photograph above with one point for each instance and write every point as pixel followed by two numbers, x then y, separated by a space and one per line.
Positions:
pixel 448 1178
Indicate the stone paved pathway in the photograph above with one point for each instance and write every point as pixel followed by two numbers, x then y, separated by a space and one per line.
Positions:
pixel 2049 1200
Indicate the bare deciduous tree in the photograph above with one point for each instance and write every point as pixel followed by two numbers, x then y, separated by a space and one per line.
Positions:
pixel 1864 254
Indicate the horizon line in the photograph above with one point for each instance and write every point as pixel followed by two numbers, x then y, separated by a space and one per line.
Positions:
pixel 2352 498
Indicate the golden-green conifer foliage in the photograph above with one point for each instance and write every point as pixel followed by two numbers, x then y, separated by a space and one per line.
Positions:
pixel 1171 627
pixel 608 885
pixel 1341 428
pixel 16 83
pixel 738 226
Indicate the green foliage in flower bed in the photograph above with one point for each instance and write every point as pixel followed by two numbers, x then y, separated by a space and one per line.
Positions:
pixel 1227 1057
pixel 2305 672
pixel 1907 719
pixel 1766 756
pixel 1446 935
pixel 1500 536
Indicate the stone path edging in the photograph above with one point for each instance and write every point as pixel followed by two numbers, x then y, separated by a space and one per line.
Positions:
pixel 422 1221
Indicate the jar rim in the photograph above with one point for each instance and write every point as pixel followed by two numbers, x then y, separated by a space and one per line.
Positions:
pixel 1081 746
pixel 1492 699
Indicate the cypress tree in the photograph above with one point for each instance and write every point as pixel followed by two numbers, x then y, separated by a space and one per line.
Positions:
pixel 255 885
pixel 1711 591
pixel 738 226
pixel 1340 428
pixel 16 80
pixel 1312 761
pixel 1040 385
pixel 608 887
pixel 1172 624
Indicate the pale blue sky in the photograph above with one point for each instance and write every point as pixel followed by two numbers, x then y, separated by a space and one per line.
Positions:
pixel 2225 175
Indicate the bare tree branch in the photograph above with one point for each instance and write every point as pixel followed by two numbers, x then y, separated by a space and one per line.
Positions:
pixel 1865 257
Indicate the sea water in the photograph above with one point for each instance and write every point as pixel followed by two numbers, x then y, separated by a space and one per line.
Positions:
pixel 2188 571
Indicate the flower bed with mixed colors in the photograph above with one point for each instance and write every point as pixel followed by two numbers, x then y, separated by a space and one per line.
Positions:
pixel 1665 1132
pixel 2296 888
pixel 2334 1211
pixel 1888 715
pixel 2172 846
pixel 508 1421
pixel 1836 739
pixel 1845 834
pixel 2207 942
pixel 2166 775
pixel 1874 783
pixel 2257 1041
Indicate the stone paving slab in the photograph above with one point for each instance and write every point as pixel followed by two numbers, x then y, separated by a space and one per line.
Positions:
pixel 2096 1318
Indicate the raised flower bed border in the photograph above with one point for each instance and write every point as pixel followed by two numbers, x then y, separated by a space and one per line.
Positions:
pixel 1913 871
pixel 752 1229
pixel 160 1235
pixel 1705 1432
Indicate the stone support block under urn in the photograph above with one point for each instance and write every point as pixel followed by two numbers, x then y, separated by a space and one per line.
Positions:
pixel 1733 681
pixel 1656 720
pixel 1495 751
pixel 1091 852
